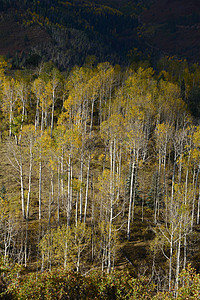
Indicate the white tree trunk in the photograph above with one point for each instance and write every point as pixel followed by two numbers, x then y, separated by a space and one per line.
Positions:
pixel 87 187
pixel 29 179
pixel 131 195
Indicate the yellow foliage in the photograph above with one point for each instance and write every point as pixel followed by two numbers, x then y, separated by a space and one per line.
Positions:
pixel 113 128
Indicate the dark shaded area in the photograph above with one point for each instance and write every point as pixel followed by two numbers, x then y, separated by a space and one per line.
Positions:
pixel 74 30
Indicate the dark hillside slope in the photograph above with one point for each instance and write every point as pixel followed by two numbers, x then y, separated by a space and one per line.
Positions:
pixel 15 37
pixel 174 27
pixel 65 32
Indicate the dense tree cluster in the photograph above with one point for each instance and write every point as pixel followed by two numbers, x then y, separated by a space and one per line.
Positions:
pixel 85 155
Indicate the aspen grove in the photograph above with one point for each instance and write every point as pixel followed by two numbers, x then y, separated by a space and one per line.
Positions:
pixel 93 158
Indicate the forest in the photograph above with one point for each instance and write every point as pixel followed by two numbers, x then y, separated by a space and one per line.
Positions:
pixel 100 150
pixel 100 185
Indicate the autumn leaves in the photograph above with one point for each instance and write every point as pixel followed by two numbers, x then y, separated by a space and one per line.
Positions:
pixel 87 149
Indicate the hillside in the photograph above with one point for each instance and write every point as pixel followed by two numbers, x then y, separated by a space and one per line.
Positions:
pixel 173 27
pixel 66 32
pixel 16 38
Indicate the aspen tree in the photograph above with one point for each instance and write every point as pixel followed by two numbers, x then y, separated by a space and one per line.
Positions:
pixel 107 238
pixel 134 142
pixel 112 131
pixel 19 155
pixel 172 232
pixel 169 105
pixel 38 88
pixel 60 147
pixel 93 87
pixel 76 90
pixel 82 86
pixel 66 245
pixel 107 81
pixel 186 165
pixel 22 90
pixel 42 103
pixel 59 243
pixel 51 92
pixel 68 144
pixel 42 144
pixel 8 228
pixel 163 133
pixel 16 160
pixel 28 134
pixel 196 158
pixel 21 158
pixel 89 152
pixel 8 99
pixel 58 161
pixel 54 168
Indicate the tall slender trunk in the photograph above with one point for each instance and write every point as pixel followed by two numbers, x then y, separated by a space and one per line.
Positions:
pixel 178 257
pixel 198 208
pixel 10 120
pixel 180 164
pixel 164 170
pixel 51 198
pixel 37 116
pixel 22 189
pixel 68 190
pixel 109 238
pixel 22 120
pixel 185 251
pixel 170 260
pixel 194 197
pixel 29 179
pixel 65 253
pixel 71 191
pixel 100 108
pixel 185 221
pixel 81 189
pixel 87 187
pixel 76 217
pixel 58 196
pixel 172 191
pixel 112 189
pixel 92 217
pixel 92 112
pixel 62 176
pixel 135 184
pixel 173 177
pixel 40 186
pixel 157 200
pixel 52 112
pixel 40 168
pixel 78 259
pixel 119 173
pixel 131 195
pixel 42 121
pixel 26 245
